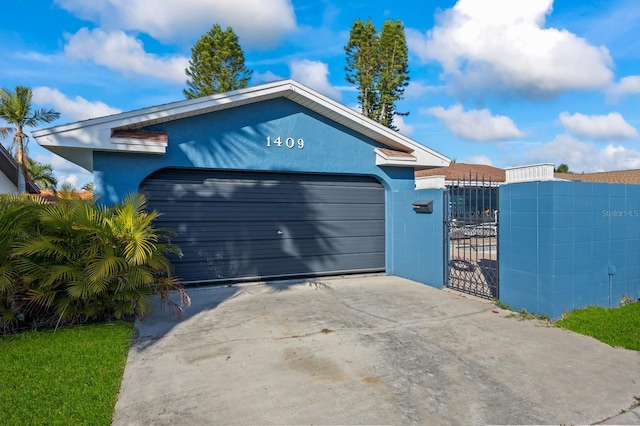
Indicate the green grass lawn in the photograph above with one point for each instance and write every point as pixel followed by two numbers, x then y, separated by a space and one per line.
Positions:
pixel 70 376
pixel 614 326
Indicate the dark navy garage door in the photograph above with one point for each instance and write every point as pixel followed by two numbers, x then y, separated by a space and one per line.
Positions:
pixel 245 226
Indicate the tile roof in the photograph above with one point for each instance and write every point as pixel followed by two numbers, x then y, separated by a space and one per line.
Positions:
pixel 52 197
pixel 462 171
pixel 619 176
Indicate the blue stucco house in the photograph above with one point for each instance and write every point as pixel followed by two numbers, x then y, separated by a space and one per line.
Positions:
pixel 269 181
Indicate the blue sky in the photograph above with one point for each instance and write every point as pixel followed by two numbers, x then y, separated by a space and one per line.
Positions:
pixel 500 82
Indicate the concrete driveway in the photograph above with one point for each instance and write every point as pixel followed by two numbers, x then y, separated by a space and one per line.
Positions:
pixel 367 350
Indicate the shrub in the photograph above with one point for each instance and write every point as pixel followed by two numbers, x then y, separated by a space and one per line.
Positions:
pixel 18 221
pixel 76 261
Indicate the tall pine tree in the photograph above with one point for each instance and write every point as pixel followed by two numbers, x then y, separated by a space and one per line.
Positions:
pixel 377 63
pixel 394 71
pixel 363 63
pixel 216 64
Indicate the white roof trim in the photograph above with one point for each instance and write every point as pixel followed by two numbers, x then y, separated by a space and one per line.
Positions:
pixel 406 160
pixel 155 146
pixel 77 141
pixel 430 182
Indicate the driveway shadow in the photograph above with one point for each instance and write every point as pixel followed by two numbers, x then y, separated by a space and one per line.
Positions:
pixel 161 321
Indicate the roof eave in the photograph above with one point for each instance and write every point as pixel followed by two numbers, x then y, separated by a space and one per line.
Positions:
pixel 96 134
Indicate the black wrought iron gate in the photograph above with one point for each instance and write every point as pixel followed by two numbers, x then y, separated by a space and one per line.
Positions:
pixel 471 237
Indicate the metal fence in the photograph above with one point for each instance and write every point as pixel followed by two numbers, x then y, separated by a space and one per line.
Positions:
pixel 471 236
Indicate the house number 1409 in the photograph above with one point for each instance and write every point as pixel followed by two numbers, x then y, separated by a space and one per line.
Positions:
pixel 288 142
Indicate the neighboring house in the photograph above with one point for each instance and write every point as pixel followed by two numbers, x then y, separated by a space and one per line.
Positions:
pixel 51 196
pixel 9 175
pixel 268 181
pixel 463 172
pixel 619 176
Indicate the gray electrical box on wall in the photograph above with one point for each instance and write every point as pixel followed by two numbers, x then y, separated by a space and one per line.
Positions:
pixel 423 206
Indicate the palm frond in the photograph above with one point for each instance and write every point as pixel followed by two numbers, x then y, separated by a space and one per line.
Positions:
pixel 105 268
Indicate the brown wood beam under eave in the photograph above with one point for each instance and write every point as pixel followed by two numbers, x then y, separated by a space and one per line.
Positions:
pixel 140 135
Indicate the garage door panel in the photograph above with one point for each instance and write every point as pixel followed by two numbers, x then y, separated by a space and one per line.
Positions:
pixel 265 193
pixel 315 211
pixel 282 212
pixel 235 225
pixel 282 248
pixel 222 269
pixel 215 231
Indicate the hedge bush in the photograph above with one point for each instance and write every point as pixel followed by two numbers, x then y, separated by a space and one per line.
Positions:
pixel 75 261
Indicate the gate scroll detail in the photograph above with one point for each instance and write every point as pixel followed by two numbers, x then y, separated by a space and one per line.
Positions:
pixel 471 237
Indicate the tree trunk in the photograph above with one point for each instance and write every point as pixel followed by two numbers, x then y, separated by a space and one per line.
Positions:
pixel 20 159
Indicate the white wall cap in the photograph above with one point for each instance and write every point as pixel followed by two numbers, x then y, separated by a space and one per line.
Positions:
pixel 529 173
pixel 430 182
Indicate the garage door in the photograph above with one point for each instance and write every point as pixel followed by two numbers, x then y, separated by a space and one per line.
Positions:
pixel 247 226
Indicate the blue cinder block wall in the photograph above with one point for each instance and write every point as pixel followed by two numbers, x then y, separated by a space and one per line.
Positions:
pixel 236 139
pixel 419 254
pixel 567 245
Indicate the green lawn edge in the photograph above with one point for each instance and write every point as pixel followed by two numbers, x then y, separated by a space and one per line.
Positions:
pixel 614 326
pixel 68 376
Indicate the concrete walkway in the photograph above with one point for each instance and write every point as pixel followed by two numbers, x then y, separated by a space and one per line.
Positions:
pixel 367 350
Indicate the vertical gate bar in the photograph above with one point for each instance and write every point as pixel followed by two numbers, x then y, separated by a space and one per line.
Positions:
pixel 473 243
pixel 446 237
pixel 497 225
pixel 486 272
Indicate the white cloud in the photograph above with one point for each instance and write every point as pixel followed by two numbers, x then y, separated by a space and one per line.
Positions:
pixel 257 23
pixel 65 171
pixel 504 45
pixel 626 86
pixel 121 52
pixel 602 127
pixel 478 159
pixel 77 108
pixel 70 180
pixel 416 89
pixel 265 77
pixel 314 74
pixel 403 127
pixel 34 57
pixel 584 157
pixel 476 125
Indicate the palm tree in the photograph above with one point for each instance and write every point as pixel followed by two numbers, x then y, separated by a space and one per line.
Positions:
pixel 42 175
pixel 67 187
pixel 16 110
pixel 88 261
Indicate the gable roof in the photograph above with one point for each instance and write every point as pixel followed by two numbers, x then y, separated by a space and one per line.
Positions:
pixel 464 171
pixel 77 141
pixel 9 167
